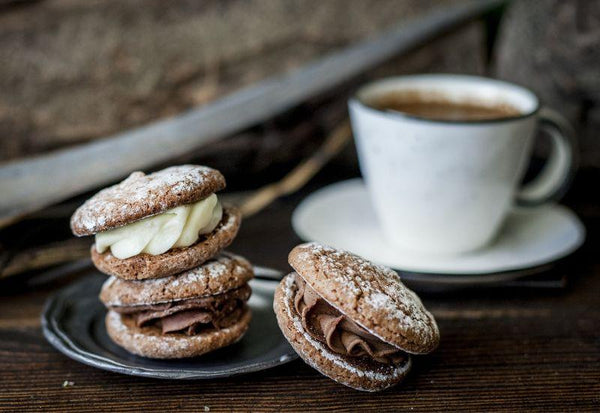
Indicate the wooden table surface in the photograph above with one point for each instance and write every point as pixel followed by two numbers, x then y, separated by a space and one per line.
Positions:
pixel 502 349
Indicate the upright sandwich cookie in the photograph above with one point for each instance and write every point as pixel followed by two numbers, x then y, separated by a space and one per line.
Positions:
pixel 173 292
pixel 185 315
pixel 352 320
pixel 156 225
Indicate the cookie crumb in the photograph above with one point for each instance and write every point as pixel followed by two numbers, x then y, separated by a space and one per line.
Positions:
pixel 206 409
pixel 68 383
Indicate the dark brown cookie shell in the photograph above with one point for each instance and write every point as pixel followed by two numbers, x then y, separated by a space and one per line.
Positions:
pixel 358 373
pixel 140 196
pixel 217 276
pixel 370 295
pixel 146 266
pixel 150 342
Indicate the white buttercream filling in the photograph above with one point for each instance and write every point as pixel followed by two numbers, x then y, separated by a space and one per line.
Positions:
pixel 176 228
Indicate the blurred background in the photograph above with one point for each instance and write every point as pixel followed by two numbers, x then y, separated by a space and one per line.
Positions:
pixel 79 71
pixel 195 81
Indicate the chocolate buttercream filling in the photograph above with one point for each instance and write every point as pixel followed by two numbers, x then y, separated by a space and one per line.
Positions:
pixel 192 315
pixel 341 335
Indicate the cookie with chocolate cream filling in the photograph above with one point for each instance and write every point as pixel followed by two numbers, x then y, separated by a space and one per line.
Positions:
pixel 352 320
pixel 185 315
pixel 148 341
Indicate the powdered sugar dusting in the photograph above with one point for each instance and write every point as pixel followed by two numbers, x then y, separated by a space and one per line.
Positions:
pixel 372 295
pixel 141 195
pixel 393 372
pixel 213 277
pixel 379 300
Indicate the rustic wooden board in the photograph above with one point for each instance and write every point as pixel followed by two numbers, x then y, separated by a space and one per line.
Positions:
pixel 502 350
pixel 31 184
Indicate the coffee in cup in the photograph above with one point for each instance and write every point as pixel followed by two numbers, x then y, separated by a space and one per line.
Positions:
pixel 443 157
pixel 439 107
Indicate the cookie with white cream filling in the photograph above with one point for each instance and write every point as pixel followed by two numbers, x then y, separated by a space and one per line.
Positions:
pixel 156 225
pixel 176 260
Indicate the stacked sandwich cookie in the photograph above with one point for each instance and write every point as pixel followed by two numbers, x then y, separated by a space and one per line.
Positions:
pixel 352 320
pixel 173 292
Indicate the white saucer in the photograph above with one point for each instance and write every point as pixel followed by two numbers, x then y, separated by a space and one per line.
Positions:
pixel 341 215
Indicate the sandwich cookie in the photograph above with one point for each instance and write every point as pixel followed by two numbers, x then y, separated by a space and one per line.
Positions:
pixel 185 315
pixel 156 225
pixel 350 319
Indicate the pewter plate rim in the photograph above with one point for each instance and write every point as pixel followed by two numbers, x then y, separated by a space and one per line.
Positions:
pixel 119 361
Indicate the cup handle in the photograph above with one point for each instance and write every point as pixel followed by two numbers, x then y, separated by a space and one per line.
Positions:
pixel 554 179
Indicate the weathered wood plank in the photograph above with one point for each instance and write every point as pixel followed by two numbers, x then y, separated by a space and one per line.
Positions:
pixel 31 184
pixel 501 350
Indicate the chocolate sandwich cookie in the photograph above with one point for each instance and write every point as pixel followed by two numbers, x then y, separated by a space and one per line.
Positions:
pixel 156 225
pixel 352 320
pixel 184 315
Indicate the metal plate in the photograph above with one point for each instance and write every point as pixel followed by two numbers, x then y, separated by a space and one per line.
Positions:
pixel 73 322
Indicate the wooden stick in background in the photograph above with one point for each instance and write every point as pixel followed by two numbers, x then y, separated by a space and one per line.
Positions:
pixel 46 256
pixel 31 184
pixel 300 175
pixel 74 249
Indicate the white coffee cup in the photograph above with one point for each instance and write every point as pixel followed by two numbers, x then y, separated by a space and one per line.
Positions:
pixel 445 187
